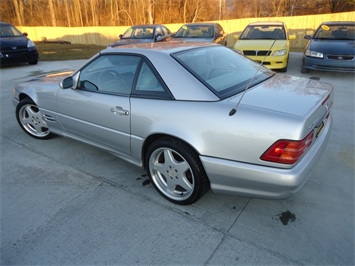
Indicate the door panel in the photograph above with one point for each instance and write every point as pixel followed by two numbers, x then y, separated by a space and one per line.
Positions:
pixel 103 119
pixel 98 110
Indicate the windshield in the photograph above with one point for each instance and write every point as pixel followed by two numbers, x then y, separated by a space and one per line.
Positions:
pixel 9 31
pixel 262 32
pixel 222 70
pixel 139 33
pixel 335 32
pixel 195 31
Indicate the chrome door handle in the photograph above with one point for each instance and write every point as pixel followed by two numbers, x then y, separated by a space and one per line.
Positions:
pixel 118 110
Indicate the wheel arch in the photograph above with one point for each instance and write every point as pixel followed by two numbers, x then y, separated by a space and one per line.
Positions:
pixel 154 137
pixel 24 95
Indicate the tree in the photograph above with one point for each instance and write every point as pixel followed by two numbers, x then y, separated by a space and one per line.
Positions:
pixel 79 13
pixel 52 13
pixel 340 5
pixel 67 13
pixel 18 4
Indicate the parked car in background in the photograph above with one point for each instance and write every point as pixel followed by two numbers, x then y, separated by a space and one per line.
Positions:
pixel 177 109
pixel 266 42
pixel 331 48
pixel 16 47
pixel 201 32
pixel 144 34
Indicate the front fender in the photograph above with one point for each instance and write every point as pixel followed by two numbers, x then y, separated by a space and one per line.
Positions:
pixel 23 91
pixel 43 95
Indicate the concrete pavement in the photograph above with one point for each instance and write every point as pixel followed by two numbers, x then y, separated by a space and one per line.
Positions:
pixel 67 203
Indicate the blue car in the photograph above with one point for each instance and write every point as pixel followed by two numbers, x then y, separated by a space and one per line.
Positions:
pixel 331 48
pixel 144 34
pixel 201 32
pixel 15 47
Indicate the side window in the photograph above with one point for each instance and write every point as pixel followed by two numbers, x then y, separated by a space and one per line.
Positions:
pixel 110 74
pixel 128 33
pixel 166 30
pixel 149 84
pixel 158 31
pixel 219 29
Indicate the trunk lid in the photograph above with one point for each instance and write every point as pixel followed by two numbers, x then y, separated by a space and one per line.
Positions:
pixel 288 94
pixel 308 100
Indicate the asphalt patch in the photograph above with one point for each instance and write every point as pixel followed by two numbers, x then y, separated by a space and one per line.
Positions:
pixel 145 182
pixel 287 217
pixel 315 78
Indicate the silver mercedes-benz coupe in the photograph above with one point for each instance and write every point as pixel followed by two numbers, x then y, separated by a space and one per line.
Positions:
pixel 196 116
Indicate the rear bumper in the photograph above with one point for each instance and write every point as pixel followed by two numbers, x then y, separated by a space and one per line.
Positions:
pixel 261 181
pixel 328 65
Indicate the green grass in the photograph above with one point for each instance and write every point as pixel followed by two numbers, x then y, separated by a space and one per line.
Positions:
pixel 58 51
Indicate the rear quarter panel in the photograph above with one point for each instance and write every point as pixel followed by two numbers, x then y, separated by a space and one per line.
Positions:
pixel 209 129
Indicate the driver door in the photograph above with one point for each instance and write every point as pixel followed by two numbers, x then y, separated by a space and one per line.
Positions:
pixel 98 110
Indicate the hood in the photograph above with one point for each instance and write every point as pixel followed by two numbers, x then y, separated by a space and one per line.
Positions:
pixel 287 94
pixel 333 46
pixel 54 77
pixel 16 41
pixel 260 44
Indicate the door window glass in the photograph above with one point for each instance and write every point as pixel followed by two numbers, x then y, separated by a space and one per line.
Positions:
pixel 109 74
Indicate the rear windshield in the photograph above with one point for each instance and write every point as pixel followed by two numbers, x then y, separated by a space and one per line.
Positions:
pixel 222 70
pixel 335 32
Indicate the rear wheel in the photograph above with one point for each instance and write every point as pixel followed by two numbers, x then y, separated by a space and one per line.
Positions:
pixel 31 120
pixel 176 171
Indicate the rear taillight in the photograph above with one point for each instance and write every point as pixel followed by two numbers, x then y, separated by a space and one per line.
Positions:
pixel 287 151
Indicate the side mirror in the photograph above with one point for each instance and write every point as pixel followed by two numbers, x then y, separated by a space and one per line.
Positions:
pixel 120 36
pixel 67 83
pixel 236 37
pixel 25 34
pixel 219 35
pixel 308 37
pixel 292 37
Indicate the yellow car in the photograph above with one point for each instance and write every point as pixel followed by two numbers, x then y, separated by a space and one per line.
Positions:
pixel 266 42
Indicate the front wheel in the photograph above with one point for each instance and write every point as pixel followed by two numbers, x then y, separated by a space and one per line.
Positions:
pixel 30 119
pixel 33 62
pixel 283 69
pixel 304 70
pixel 176 171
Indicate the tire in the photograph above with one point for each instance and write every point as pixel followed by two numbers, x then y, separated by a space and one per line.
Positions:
pixel 176 171
pixel 304 70
pixel 283 69
pixel 33 62
pixel 30 119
